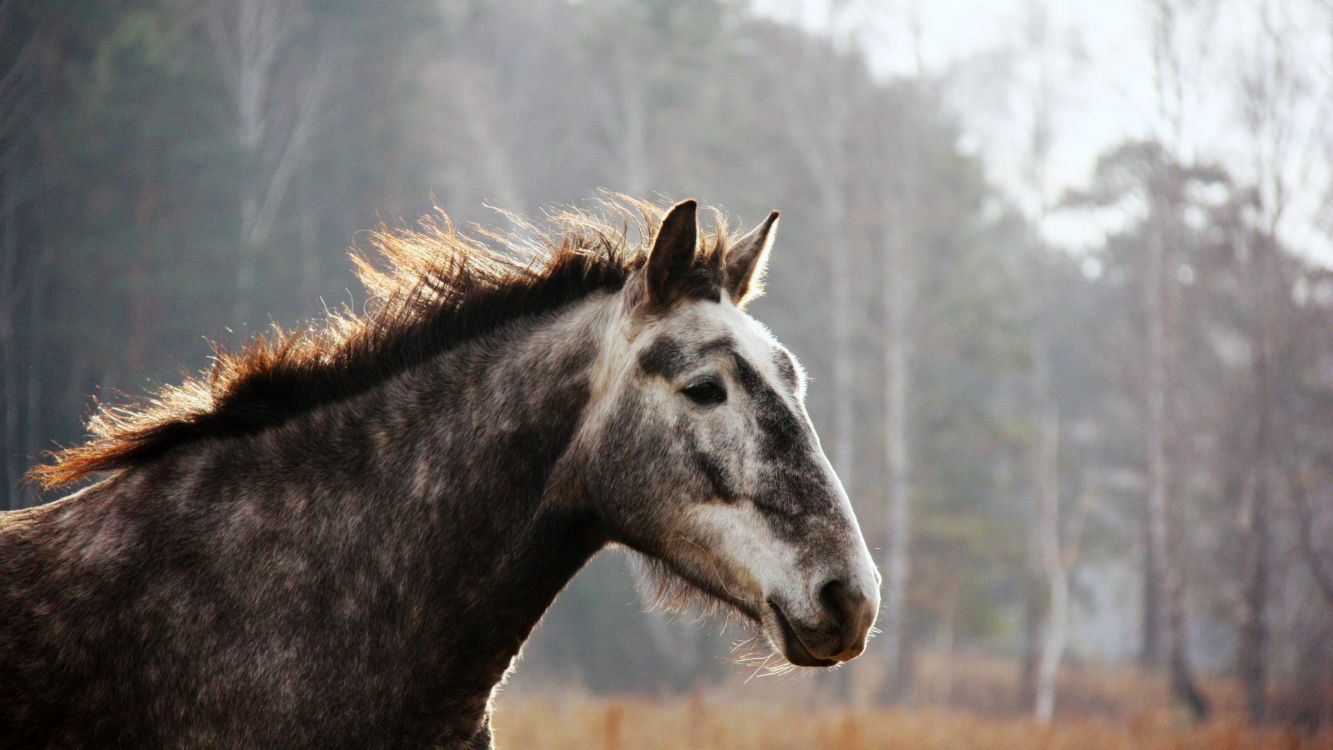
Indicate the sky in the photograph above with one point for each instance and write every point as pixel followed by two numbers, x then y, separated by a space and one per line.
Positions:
pixel 1103 90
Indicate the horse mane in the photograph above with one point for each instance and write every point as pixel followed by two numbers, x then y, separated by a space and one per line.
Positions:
pixel 439 289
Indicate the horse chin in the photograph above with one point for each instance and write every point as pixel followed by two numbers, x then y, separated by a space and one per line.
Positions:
pixel 784 640
pixel 676 590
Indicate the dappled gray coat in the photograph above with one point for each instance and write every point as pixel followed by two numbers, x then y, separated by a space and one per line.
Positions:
pixel 341 537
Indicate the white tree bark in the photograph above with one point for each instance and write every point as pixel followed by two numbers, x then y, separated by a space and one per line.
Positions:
pixel 1154 420
pixel 1179 44
pixel 1053 562
pixel 898 292
pixel 897 521
pixel 1056 634
pixel 1059 538
pixel 1050 554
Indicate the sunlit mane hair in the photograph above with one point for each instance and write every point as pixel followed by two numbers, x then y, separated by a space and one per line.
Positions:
pixel 438 287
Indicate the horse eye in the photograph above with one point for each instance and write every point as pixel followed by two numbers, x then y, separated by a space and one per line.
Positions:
pixel 706 392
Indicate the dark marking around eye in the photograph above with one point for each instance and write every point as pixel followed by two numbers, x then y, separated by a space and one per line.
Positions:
pixel 771 503
pixel 721 344
pixel 667 357
pixel 663 357
pixel 780 431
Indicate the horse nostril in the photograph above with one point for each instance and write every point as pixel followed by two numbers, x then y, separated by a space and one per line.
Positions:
pixel 838 600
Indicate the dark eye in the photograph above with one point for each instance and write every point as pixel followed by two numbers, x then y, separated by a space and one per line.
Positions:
pixel 707 392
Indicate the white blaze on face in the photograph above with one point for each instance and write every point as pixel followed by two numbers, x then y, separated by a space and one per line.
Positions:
pixel 766 566
pixel 738 534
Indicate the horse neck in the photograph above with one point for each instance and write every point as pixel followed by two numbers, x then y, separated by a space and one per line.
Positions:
pixel 491 428
pixel 449 486
pixel 480 443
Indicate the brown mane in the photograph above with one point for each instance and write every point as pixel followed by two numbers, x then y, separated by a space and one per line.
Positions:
pixel 440 288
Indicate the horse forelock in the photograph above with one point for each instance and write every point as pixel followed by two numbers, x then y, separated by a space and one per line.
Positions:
pixel 432 288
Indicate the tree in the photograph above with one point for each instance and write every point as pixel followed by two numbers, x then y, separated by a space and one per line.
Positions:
pixel 901 204
pixel 1272 85
pixel 1144 172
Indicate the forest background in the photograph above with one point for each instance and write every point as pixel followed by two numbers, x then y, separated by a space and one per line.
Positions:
pixel 1066 302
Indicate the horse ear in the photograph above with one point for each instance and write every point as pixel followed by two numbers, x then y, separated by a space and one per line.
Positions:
pixel 672 257
pixel 747 260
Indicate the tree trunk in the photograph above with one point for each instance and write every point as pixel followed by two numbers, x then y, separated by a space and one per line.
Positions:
pixel 1165 525
pixel 1056 632
pixel 897 518
pixel 948 640
pixel 1154 438
pixel 1253 628
pixel 1027 676
pixel 1150 634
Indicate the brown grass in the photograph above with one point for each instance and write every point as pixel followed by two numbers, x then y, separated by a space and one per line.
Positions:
pixel 961 703
pixel 574 721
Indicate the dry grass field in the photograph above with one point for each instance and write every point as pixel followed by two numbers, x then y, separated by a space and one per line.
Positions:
pixel 573 722
pixel 965 705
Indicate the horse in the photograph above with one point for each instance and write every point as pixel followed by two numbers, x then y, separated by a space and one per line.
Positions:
pixel 341 536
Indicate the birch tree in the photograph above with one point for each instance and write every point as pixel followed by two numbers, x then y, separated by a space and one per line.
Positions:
pixel 1273 86
pixel 897 290
pixel 901 206
pixel 1178 37
pixel 1051 57
pixel 1058 531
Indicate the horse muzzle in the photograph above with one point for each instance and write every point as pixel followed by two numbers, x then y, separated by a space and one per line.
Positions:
pixel 830 631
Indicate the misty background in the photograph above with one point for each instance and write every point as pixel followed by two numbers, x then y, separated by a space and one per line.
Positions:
pixel 1060 275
